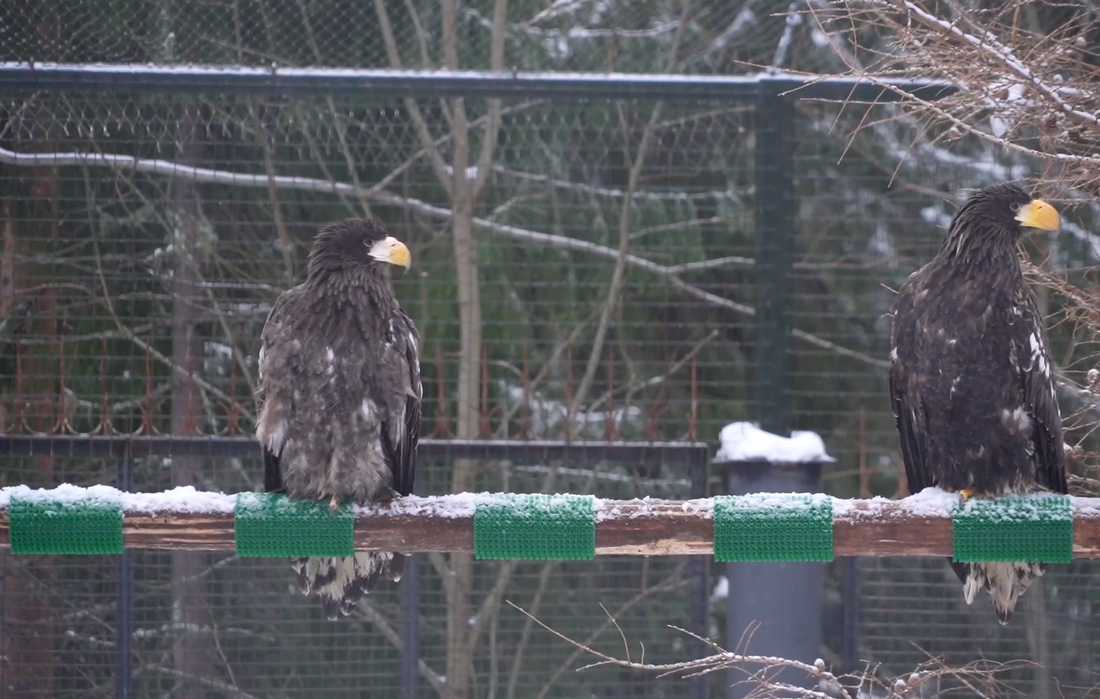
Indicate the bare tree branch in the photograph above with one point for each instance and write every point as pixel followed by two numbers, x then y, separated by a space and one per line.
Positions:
pixel 170 168
pixel 366 610
pixel 496 63
pixel 1011 84
pixel 762 673
pixel 669 585
pixel 439 167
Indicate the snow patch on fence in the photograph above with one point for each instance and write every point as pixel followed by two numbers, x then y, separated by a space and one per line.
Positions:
pixel 744 441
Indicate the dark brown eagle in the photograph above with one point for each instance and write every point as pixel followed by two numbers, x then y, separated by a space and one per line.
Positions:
pixel 970 374
pixel 339 389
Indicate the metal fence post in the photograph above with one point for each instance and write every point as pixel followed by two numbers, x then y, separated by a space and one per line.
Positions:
pixel 697 570
pixel 410 625
pixel 850 595
pixel 410 628
pixel 124 607
pixel 785 599
pixel 775 221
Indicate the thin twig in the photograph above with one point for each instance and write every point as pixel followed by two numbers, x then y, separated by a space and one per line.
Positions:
pixel 420 124
pixel 618 274
pixel 165 167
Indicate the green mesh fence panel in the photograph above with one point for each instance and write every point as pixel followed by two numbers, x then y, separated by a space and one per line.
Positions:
pixel 274 525
pixel 535 527
pixel 1022 528
pixel 773 527
pixel 44 524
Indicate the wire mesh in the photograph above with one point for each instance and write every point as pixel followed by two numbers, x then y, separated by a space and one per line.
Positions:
pixel 135 302
pixel 582 36
pixel 131 300
pixel 108 267
pixel 107 259
pixel 859 241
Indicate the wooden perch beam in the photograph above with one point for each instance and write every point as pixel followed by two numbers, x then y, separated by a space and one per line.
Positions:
pixel 623 527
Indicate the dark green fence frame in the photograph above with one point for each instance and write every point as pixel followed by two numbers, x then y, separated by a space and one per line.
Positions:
pixel 773 94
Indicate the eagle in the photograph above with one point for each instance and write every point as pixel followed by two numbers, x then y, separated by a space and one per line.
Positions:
pixel 970 374
pixel 339 394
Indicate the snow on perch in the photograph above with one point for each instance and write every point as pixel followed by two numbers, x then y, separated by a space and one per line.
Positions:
pixel 444 506
pixel 930 502
pixel 744 441
pixel 920 525
pixel 181 500
pixel 63 494
pixel 1085 507
pixel 607 510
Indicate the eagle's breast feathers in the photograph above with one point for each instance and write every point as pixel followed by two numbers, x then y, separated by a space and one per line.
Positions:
pixel 339 391
pixel 971 381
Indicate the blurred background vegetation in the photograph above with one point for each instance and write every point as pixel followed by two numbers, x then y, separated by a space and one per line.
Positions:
pixel 589 278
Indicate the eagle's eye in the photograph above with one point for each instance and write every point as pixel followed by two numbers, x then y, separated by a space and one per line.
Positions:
pixel 370 243
pixel 1015 207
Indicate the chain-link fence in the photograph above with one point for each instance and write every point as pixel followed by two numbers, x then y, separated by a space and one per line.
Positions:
pixel 627 232
pixel 98 309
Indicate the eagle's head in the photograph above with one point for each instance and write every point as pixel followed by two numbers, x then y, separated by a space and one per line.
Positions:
pixel 356 242
pixel 1006 209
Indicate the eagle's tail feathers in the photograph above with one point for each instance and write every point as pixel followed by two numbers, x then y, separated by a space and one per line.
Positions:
pixel 396 568
pixel 341 582
pixel 1005 582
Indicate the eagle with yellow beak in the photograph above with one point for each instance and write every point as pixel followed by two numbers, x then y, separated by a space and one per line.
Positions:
pixel 339 393
pixel 971 375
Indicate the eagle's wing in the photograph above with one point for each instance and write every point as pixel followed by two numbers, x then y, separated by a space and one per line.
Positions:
pixel 272 340
pixel 1036 376
pixel 400 365
pixel 908 410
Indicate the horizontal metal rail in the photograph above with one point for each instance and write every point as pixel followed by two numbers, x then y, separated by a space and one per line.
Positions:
pixel 119 78
pixel 136 446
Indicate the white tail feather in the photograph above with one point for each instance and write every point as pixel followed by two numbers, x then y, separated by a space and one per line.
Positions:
pixel 1006 582
pixel 340 582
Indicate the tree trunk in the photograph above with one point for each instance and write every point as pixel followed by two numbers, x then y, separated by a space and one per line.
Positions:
pixel 459 652
pixel 190 652
pixel 29 305
pixel 26 630
pixel 464 477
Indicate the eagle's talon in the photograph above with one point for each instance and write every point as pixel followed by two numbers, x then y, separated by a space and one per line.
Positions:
pixel 968 493
pixel 334 503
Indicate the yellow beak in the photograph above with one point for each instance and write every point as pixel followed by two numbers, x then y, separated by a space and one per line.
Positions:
pixel 393 251
pixel 1039 214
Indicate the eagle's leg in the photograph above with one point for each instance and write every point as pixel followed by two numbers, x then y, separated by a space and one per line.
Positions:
pixel 334 503
pixel 965 493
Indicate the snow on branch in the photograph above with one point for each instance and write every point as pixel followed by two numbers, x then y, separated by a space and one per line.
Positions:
pixel 1023 83
pixel 378 195
pixel 187 519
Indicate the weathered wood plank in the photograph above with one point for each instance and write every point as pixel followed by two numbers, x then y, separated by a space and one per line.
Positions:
pixel 623 527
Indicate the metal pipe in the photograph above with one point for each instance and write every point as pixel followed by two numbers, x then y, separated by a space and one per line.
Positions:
pixel 124 604
pixel 117 78
pixel 641 453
